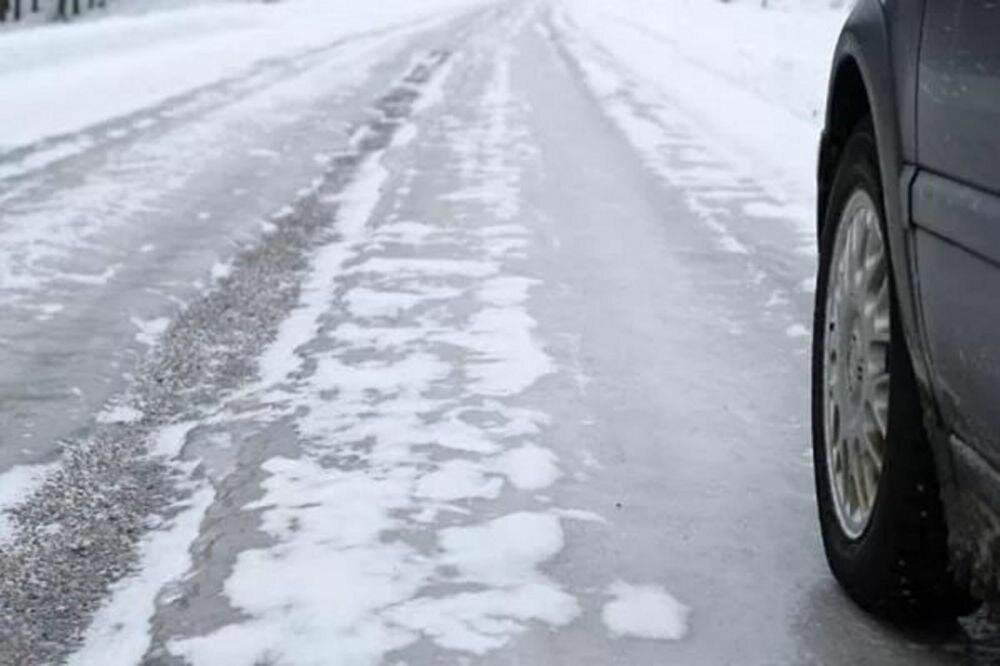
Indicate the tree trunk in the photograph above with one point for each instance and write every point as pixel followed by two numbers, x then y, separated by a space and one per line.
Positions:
pixel 3 11
pixel 76 7
pixel 62 9
pixel 34 6
pixel 17 10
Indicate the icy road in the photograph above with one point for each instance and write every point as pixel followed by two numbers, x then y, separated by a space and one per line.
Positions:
pixel 447 341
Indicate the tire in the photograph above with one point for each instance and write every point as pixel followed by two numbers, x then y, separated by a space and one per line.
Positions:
pixel 894 563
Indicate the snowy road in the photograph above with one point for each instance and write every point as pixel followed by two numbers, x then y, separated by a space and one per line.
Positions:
pixel 442 342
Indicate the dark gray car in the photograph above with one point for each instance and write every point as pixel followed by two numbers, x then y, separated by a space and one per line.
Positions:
pixel 906 359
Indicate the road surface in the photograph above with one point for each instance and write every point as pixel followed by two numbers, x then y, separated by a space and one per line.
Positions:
pixel 436 344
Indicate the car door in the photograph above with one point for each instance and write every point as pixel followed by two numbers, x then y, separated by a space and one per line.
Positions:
pixel 955 206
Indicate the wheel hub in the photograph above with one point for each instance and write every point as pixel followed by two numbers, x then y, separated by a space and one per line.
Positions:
pixel 856 379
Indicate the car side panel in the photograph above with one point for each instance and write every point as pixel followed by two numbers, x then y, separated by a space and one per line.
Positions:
pixel 959 102
pixel 956 209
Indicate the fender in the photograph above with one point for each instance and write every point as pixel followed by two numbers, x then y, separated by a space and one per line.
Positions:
pixel 880 45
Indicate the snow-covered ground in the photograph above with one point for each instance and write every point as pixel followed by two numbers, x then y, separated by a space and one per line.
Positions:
pixel 415 332
pixel 82 74
pixel 751 79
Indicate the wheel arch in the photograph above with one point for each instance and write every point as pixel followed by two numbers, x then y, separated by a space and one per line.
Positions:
pixel 848 103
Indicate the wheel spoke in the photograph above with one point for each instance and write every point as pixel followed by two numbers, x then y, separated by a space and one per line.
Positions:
pixel 857 477
pixel 856 381
pixel 874 441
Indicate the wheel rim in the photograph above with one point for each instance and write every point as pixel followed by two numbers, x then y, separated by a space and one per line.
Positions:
pixel 855 364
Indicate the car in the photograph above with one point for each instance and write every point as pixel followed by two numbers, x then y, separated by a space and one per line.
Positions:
pixel 906 345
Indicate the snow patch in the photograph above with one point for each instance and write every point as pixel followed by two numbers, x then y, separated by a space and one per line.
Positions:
pixel 644 611
pixel 528 467
pixel 798 331
pixel 16 485
pixel 150 330
pixel 119 413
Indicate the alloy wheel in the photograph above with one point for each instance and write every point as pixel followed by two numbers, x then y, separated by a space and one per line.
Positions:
pixel 855 364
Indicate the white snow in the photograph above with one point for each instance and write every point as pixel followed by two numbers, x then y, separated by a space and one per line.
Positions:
pixel 221 270
pixel 753 78
pixel 711 93
pixel 644 611
pixel 119 413
pixel 280 359
pixel 504 555
pixel 85 73
pixel 37 237
pixel 798 331
pixel 169 440
pixel 529 467
pixel 16 485
pixel 150 330
pixel 340 531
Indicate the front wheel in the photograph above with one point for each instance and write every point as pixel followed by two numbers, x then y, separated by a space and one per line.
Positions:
pixel 880 512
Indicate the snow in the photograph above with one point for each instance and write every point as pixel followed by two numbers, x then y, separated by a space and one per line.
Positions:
pixel 339 531
pixel 119 632
pixel 644 611
pixel 150 330
pixel 169 440
pixel 17 484
pixel 280 359
pixel 221 270
pixel 38 236
pixel 427 339
pixel 749 81
pixel 119 413
pixel 529 467
pixel 798 331
pixel 86 73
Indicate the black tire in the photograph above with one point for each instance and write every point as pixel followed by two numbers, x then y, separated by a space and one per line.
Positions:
pixel 898 567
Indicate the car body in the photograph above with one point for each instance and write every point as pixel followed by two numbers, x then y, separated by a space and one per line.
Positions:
pixel 927 74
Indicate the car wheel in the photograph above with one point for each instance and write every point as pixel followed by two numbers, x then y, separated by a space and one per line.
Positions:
pixel 880 512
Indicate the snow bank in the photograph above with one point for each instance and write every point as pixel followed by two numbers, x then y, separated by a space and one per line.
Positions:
pixel 754 78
